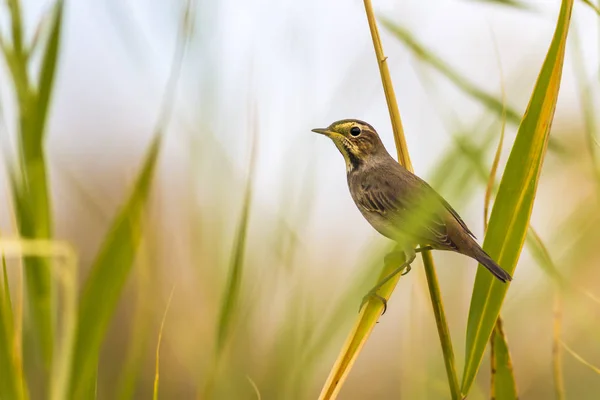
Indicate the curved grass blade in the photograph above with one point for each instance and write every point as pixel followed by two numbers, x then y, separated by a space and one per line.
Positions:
pixel 491 102
pixel 371 311
pixel 114 261
pixel 591 5
pixel 508 3
pixel 579 358
pixel 160 334
pixel 230 302
pixel 109 273
pixel 513 205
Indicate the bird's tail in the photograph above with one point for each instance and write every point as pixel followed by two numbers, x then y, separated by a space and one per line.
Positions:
pixel 485 260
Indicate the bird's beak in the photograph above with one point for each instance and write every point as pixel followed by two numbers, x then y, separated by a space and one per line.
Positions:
pixel 325 132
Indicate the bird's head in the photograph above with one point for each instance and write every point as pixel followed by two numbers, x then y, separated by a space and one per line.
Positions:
pixel 356 140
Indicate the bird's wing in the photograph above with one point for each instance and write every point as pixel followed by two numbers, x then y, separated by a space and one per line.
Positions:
pixel 416 208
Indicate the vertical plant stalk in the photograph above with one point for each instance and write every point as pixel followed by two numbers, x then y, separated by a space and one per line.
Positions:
pixel 30 188
pixel 404 159
pixel 370 312
pixel 559 383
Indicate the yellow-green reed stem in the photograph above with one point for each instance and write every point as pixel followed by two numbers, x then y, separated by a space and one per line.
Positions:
pixel 404 159
pixel 442 325
pixel 390 96
pixel 559 383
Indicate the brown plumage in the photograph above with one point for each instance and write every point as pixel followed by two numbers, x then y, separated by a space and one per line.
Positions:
pixel 396 202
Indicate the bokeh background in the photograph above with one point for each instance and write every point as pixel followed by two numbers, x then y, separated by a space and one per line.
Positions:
pixel 261 73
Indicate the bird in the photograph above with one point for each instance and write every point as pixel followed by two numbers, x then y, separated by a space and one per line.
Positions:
pixel 398 204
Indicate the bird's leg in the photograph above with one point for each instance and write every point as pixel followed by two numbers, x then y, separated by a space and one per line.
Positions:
pixel 409 256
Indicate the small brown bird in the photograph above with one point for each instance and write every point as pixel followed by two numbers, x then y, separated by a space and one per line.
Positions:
pixel 399 204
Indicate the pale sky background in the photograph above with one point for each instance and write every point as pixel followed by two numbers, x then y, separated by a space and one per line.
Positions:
pixel 301 65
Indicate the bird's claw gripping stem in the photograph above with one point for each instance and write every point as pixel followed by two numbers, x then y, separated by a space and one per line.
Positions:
pixel 392 258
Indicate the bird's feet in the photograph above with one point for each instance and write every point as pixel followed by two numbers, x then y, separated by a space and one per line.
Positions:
pixel 374 295
pixel 402 269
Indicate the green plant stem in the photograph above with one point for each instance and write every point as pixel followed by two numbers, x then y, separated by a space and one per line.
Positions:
pixel 442 325
pixel 404 159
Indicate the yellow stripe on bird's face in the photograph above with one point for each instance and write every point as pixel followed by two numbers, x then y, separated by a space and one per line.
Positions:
pixel 355 139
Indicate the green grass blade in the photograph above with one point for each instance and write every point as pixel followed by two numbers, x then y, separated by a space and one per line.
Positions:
pixel 10 388
pixel 232 290
pixel 585 90
pixel 512 209
pixel 48 71
pixel 503 385
pixel 108 275
pixel 158 342
pixel 594 7
pixel 491 102
pixel 230 301
pixel 30 188
pixel 580 358
pixel 508 3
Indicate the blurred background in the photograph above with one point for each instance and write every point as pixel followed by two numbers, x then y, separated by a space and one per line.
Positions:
pixel 260 74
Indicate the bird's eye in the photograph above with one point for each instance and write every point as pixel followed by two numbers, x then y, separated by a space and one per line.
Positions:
pixel 355 131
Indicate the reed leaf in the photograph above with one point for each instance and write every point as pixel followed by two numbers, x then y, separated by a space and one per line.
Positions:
pixel 512 209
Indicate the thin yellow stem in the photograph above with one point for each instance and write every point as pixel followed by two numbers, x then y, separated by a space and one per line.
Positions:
pixel 390 96
pixel 404 159
pixel 559 384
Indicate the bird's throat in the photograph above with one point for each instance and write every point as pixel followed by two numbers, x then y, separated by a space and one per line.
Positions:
pixel 352 160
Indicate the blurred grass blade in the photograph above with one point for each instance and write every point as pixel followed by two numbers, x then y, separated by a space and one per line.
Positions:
pixel 30 186
pixel 557 365
pixel 230 301
pixel 107 277
pixel 491 102
pixel 587 105
pixel 579 358
pixel 11 386
pixel 371 311
pixel 503 385
pixel 48 71
pixel 513 205
pixel 160 334
pixel 115 259
pixel 542 256
pixel 232 290
pixel 509 3
pixel 594 7
pixel 139 336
